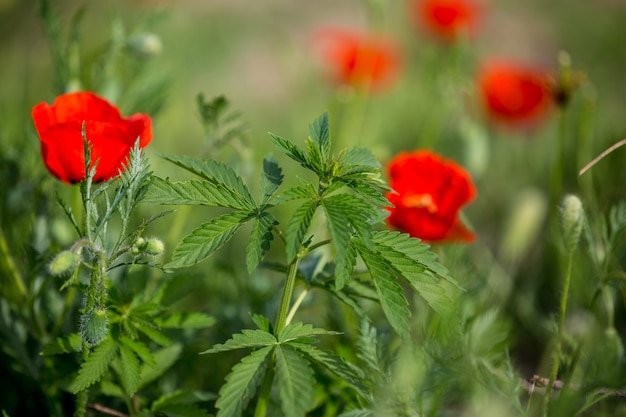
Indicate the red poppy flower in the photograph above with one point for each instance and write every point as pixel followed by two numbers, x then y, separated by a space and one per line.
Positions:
pixel 447 19
pixel 356 59
pixel 110 135
pixel 428 193
pixel 513 93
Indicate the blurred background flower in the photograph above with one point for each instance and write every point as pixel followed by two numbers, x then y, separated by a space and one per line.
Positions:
pixel 514 93
pixel 446 20
pixel 358 59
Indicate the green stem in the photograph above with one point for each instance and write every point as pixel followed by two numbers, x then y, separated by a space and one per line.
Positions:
pixel 559 337
pixel 81 397
pixel 281 318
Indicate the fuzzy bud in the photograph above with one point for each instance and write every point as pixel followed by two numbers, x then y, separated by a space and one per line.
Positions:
pixel 94 326
pixel 63 263
pixel 154 247
pixel 138 246
pixel 572 216
pixel 145 45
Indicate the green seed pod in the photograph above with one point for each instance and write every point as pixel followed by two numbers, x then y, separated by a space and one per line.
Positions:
pixel 154 247
pixel 572 216
pixel 138 246
pixel 94 326
pixel 63 263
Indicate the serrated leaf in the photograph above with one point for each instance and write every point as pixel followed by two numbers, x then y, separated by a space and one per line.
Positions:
pixel 164 359
pixel 182 410
pixel 271 179
pixel 66 344
pixel 297 192
pixel 371 193
pixel 246 339
pixel 130 369
pixel 242 382
pixel 140 349
pixel 165 191
pixel 415 249
pixel 299 330
pixel 185 321
pixel 207 239
pixel 292 151
pixel 261 322
pixel 95 366
pixel 298 226
pixel 294 378
pixel 335 364
pixel 367 347
pixel 260 237
pixel 319 132
pixel 394 303
pixel 339 225
pixel 358 157
pixel 215 172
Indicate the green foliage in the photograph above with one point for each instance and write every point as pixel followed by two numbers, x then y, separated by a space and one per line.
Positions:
pixel 294 380
pixel 95 366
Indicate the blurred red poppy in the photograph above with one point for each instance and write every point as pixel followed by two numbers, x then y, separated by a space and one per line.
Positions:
pixel 110 135
pixel 513 93
pixel 357 59
pixel 428 192
pixel 447 19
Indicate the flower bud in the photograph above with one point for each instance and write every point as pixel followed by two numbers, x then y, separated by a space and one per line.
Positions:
pixel 145 45
pixel 154 247
pixel 63 263
pixel 138 246
pixel 572 216
pixel 94 326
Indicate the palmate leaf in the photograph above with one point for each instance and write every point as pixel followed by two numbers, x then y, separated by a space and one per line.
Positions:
pixel 335 364
pixel 392 300
pixel 93 369
pixel 165 191
pixel 242 382
pixel 130 369
pixel 215 172
pixel 292 151
pixel 207 239
pixel 295 381
pixel 298 226
pixel 319 132
pixel 298 192
pixel 271 179
pixel 260 237
pixel 246 339
pixel 295 331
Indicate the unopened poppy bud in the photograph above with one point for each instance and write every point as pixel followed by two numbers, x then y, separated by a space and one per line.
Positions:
pixel 154 247
pixel 572 216
pixel 63 263
pixel 145 45
pixel 94 326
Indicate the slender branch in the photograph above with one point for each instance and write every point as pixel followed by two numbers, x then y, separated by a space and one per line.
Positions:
pixel 601 156
pixel 296 305
pixel 281 318
pixel 107 410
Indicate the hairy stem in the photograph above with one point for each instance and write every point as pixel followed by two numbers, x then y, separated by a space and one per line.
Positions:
pixel 81 397
pixel 559 336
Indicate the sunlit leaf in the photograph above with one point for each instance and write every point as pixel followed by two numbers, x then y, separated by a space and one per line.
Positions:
pixel 207 239
pixel 246 339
